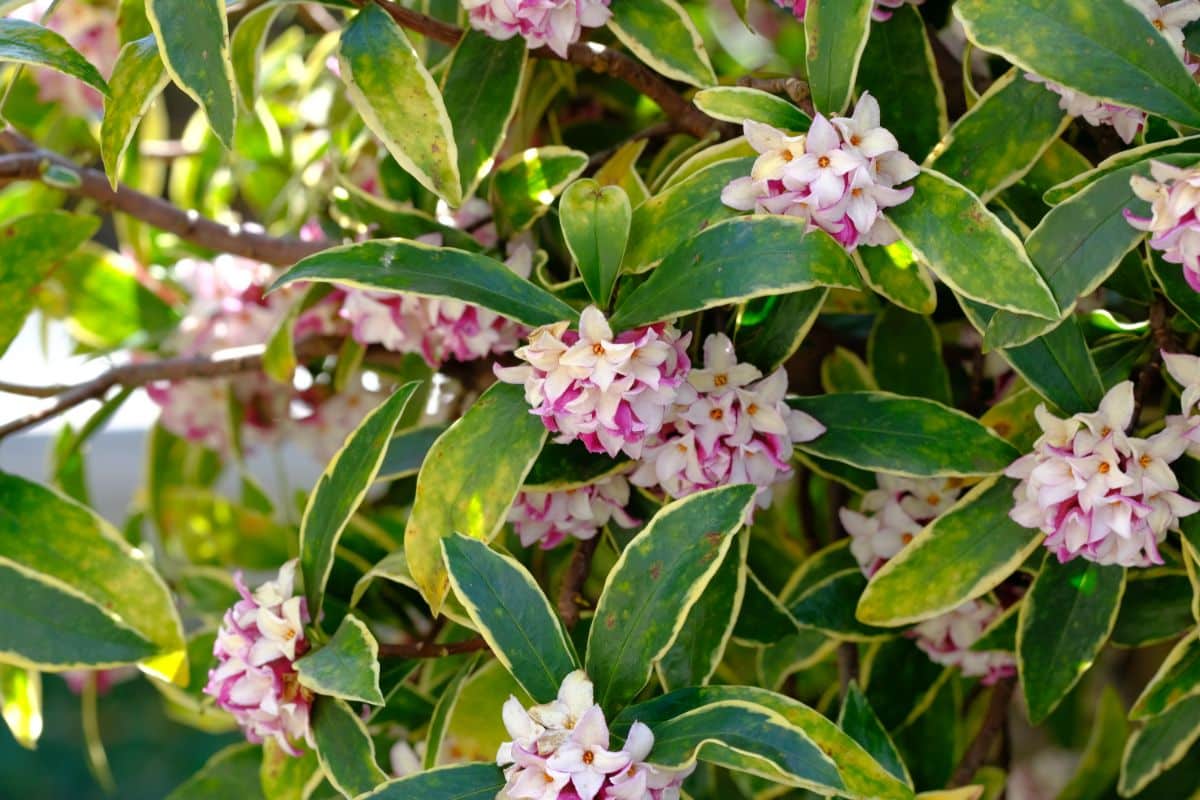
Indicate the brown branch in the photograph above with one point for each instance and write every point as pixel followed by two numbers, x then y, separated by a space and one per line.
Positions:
pixel 847 660
pixel 993 722
pixel 31 391
pixel 26 161
pixel 1149 374
pixel 131 376
pixel 797 90
pixel 570 597
pixel 431 649
pixel 597 58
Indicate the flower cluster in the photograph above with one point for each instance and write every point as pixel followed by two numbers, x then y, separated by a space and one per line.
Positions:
pixel 1169 20
pixel 1174 228
pixel 438 329
pixel 229 309
pixel 551 23
pixel 727 425
pixel 92 30
pixel 255 679
pixel 890 516
pixel 881 12
pixel 560 750
pixel 1185 370
pixel 840 176
pixel 1097 493
pixel 548 518
pixel 947 639
pixel 609 392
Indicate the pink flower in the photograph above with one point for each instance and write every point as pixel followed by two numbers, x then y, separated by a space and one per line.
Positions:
pixel 255 679
pixel 552 23
pixel 1174 228
pixel 892 515
pixel 1126 120
pixel 947 640
pixel 90 29
pixel 1097 493
pixel 727 425
pixel 609 391
pixel 882 11
pixel 840 176
pixel 560 751
pixel 548 518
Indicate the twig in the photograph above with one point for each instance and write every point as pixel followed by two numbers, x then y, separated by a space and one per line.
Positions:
pixel 131 376
pixel 570 598
pixel 993 722
pixel 1164 342
pixel 796 90
pixel 32 391
pixel 597 58
pixel 27 161
pixel 431 649
pixel 847 658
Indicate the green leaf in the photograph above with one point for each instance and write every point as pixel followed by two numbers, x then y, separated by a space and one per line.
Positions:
pixel 700 644
pixel 399 265
pixel 1060 368
pixel 246 49
pixel 1079 244
pixel 443 712
pixel 455 782
pixel 741 736
pixel 1078 179
pixel 654 585
pixel 481 88
pixel 1175 287
pixel 902 435
pixel 344 748
pixel 737 104
pixel 347 666
pixel 673 217
pixel 1104 48
pixel 193 39
pixel 929 740
pixel 835 34
pixel 76 593
pixel 595 223
pixel 901 681
pixel 762 619
pixel 511 611
pixel 843 371
pixel 1064 621
pixel 661 34
pixel 406 452
pixel 1159 745
pixel 905 353
pixel 894 272
pixel 1157 607
pixel 137 79
pixel 30 248
pixel 561 468
pixel 949 229
pixel 787 260
pixel 469 480
pixel 1001 137
pixel 21 704
pixel 28 43
pixel 858 720
pixel 1177 679
pixel 232 772
pixel 525 185
pixel 340 490
pixel 861 776
pixel 971 548
pixel 394 568
pixel 828 606
pixel 284 776
pixel 770 330
pixel 399 101
pixel 1101 760
pixel 914 104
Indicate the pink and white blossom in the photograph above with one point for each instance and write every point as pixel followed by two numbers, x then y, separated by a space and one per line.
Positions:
pixel 1170 20
pixel 255 679
pixel 556 24
pixel 561 751
pixel 840 176
pixel 609 391
pixel 1098 493
pixel 881 12
pixel 1174 197
pixel 549 518
pixel 727 425
pixel 947 639
pixel 892 515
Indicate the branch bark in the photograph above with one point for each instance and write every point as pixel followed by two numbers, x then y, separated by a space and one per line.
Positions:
pixel 27 161
pixel 570 598
pixel 431 649
pixel 993 722
pixel 597 58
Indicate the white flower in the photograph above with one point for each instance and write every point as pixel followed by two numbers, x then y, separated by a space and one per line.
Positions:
pixel 548 518
pixel 1173 225
pixel 1127 121
pixel 947 640
pixel 553 23
pixel 892 515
